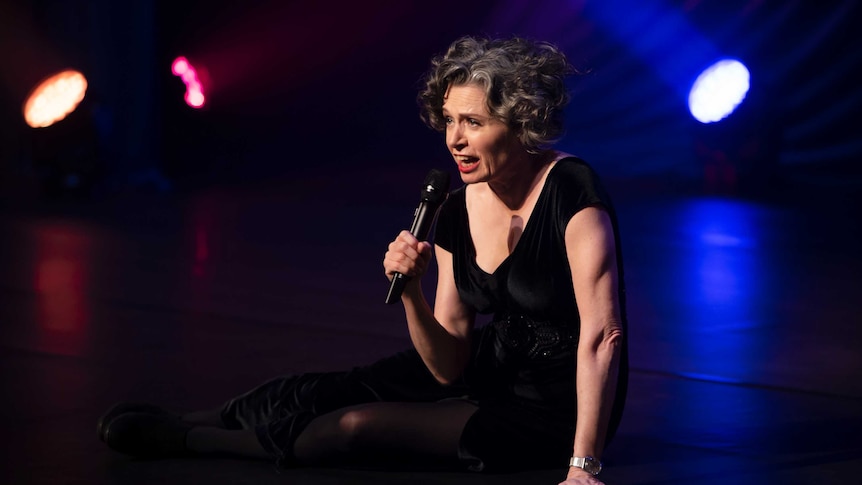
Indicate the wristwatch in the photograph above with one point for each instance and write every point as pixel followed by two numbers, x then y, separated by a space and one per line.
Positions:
pixel 588 463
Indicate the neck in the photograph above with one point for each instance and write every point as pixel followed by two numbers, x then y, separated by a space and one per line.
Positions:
pixel 514 188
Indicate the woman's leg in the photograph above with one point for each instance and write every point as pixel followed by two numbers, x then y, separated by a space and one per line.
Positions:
pixel 209 417
pixel 363 434
pixel 269 419
pixel 375 433
pixel 209 435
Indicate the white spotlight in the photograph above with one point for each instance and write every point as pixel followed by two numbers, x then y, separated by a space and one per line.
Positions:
pixel 718 90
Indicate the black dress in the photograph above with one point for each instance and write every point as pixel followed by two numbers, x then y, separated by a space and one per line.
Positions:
pixel 522 369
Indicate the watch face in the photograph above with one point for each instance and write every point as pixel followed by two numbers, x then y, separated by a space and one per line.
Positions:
pixel 591 465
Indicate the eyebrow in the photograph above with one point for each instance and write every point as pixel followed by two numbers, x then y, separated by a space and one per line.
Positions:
pixel 468 114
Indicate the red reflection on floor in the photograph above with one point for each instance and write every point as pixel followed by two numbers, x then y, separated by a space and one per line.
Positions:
pixel 61 276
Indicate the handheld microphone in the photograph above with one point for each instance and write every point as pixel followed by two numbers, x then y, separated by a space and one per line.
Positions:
pixel 435 189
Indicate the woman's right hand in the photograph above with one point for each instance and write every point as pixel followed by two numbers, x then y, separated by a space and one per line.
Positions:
pixel 408 256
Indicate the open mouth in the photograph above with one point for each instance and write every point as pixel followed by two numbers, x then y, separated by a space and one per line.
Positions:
pixel 467 164
pixel 464 161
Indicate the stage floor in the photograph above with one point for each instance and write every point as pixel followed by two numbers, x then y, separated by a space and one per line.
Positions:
pixel 744 315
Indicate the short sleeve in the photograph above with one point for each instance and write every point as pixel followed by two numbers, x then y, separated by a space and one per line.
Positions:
pixel 449 220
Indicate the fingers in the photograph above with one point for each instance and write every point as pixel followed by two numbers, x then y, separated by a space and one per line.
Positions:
pixel 407 255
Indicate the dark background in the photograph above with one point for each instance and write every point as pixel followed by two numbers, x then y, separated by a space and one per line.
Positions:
pixel 295 86
pixel 152 252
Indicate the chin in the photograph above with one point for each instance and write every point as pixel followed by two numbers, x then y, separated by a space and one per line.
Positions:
pixel 471 178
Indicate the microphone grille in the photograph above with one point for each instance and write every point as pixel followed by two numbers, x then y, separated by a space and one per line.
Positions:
pixel 436 186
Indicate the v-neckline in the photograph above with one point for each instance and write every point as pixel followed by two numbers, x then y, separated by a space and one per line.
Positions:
pixel 527 225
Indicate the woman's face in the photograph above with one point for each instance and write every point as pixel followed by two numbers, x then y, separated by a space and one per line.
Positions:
pixel 483 147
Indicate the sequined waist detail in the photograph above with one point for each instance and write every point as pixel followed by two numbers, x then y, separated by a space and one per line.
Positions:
pixel 535 339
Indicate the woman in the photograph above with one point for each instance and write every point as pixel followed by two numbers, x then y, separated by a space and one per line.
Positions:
pixel 530 238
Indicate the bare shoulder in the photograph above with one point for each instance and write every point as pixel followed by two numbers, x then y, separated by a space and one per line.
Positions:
pixel 593 220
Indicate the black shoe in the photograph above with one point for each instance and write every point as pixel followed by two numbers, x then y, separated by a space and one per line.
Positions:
pixel 148 435
pixel 128 407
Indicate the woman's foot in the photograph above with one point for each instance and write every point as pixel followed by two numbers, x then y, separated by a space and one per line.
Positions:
pixel 148 435
pixel 128 407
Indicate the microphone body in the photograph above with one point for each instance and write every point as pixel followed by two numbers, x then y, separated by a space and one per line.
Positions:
pixel 435 189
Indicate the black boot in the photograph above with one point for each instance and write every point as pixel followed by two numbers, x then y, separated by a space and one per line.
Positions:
pixel 148 435
pixel 128 407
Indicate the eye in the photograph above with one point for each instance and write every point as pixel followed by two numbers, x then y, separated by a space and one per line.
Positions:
pixel 474 122
pixel 447 120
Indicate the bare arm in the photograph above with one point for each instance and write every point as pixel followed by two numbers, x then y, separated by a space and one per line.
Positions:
pixel 441 336
pixel 592 257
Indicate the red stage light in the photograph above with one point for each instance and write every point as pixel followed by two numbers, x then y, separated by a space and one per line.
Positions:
pixel 54 98
pixel 194 89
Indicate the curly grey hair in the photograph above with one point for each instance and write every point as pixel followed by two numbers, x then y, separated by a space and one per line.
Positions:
pixel 524 83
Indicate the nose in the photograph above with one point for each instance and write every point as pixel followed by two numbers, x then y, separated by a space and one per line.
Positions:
pixel 455 136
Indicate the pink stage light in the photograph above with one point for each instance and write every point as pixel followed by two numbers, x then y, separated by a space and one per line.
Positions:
pixel 194 89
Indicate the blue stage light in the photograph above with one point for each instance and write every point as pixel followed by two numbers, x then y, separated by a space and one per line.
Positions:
pixel 718 90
